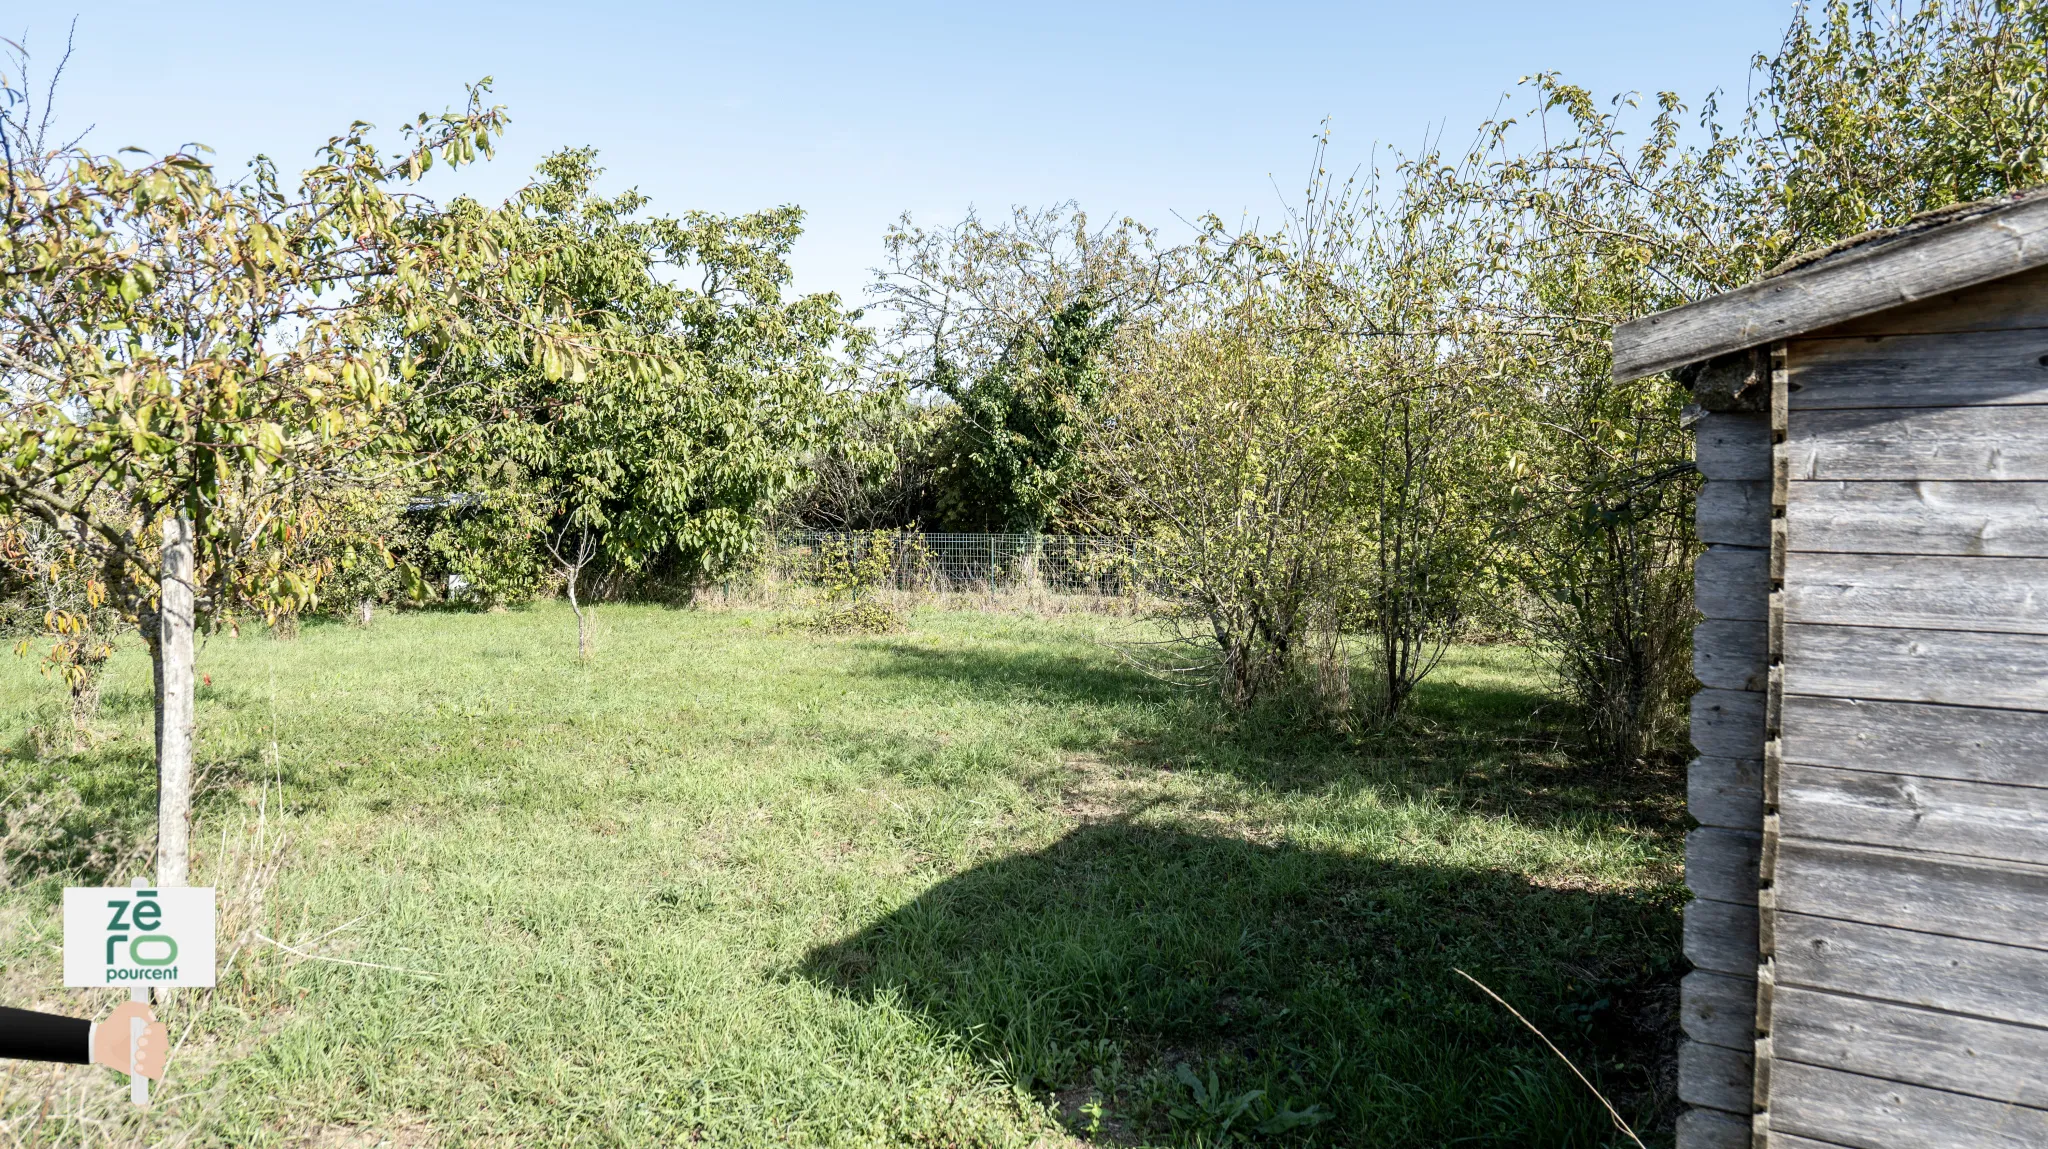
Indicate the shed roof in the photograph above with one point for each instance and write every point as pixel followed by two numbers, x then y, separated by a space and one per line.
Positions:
pixel 1934 254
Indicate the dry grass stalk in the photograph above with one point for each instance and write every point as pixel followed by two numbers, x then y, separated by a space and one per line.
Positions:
pixel 1601 1097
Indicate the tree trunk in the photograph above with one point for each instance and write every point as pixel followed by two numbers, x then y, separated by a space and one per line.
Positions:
pixel 175 685
pixel 582 622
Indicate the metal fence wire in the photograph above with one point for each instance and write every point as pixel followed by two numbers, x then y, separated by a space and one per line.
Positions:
pixel 956 563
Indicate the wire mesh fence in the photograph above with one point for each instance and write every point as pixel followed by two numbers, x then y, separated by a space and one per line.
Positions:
pixel 958 563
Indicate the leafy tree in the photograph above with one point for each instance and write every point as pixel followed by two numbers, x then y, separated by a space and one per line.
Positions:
pixel 875 472
pixel 1870 114
pixel 665 452
pixel 188 362
pixel 1222 455
pixel 1865 117
pixel 1590 230
pixel 1301 453
pixel 1011 452
pixel 1229 454
pixel 1022 327
pixel 1385 276
pixel 355 541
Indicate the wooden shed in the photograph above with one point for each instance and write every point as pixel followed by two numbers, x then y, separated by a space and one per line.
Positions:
pixel 1869 929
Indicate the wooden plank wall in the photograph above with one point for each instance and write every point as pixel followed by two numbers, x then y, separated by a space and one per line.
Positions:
pixel 1903 996
pixel 1732 582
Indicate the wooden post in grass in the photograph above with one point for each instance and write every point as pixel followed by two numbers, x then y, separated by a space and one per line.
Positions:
pixel 175 687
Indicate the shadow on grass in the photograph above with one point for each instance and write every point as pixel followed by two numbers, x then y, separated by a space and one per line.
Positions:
pixel 1492 749
pixel 1125 965
pixel 1000 672
pixel 112 777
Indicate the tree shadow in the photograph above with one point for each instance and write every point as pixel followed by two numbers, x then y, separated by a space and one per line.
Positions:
pixel 995 672
pixel 1493 749
pixel 86 813
pixel 1175 987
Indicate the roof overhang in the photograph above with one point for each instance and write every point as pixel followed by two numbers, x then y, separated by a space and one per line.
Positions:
pixel 1959 248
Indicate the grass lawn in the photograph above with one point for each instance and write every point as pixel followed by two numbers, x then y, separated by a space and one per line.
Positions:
pixel 977 883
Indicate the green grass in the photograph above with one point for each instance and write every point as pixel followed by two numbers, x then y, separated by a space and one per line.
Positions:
pixel 977 883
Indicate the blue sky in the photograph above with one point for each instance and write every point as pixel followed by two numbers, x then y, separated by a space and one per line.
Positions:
pixel 859 112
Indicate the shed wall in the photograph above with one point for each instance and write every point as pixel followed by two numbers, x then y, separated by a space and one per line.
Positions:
pixel 1904 855
pixel 1732 581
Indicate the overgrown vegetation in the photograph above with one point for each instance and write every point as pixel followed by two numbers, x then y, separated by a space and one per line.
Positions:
pixel 848 572
pixel 661 454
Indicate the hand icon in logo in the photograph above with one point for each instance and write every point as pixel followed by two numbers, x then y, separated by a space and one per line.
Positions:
pixel 111 1036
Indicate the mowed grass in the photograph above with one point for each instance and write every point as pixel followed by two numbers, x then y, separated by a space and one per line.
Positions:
pixel 976 883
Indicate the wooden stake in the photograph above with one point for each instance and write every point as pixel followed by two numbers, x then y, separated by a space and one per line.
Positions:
pixel 176 682
pixel 177 686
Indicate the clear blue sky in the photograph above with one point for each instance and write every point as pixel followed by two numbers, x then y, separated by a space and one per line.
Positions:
pixel 860 111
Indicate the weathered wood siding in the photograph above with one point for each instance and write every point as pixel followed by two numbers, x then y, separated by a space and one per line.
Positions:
pixel 1871 282
pixel 1903 853
pixel 1732 582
